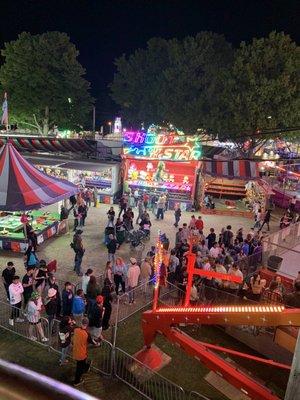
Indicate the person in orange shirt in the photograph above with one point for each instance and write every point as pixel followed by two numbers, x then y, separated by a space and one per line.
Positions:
pixel 81 339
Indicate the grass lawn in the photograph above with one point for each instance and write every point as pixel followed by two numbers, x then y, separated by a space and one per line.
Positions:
pixel 188 372
pixel 15 349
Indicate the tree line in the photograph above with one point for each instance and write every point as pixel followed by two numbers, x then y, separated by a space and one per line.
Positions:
pixel 202 82
pixel 199 82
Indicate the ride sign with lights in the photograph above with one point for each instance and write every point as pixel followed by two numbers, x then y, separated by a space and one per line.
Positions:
pixel 161 145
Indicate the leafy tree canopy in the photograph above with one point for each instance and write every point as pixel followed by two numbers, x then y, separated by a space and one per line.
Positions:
pixel 44 82
pixel 201 82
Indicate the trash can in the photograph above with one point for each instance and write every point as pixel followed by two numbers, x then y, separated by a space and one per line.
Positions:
pixel 274 263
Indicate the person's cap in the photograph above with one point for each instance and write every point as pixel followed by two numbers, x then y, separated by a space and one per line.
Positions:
pixel 35 295
pixel 132 260
pixel 52 292
pixel 99 299
pixel 79 231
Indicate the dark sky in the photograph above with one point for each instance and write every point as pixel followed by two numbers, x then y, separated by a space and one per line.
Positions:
pixel 103 30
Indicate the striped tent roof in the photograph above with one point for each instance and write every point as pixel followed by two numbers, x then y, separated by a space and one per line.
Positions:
pixel 24 187
pixel 235 169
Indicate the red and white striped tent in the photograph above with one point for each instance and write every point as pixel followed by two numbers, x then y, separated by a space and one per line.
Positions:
pixel 235 169
pixel 24 187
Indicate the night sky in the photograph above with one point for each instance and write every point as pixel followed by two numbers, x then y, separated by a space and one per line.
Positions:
pixel 104 30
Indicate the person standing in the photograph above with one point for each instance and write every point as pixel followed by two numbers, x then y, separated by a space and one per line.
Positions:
pixel 7 276
pixel 96 313
pixel 292 204
pixel 123 205
pixel 161 204
pixel 199 224
pixel 86 279
pixel 95 196
pixel 145 273
pixel 51 303
pixel 64 335
pixel 145 200
pixel 27 283
pixel 119 270
pixel 136 196
pixel 82 209
pixel 140 207
pixel 81 339
pixel 106 293
pixel 78 306
pixel 67 299
pixel 211 238
pixel 79 250
pixel 112 248
pixel 33 314
pixel 15 298
pixel 133 278
pixel 177 214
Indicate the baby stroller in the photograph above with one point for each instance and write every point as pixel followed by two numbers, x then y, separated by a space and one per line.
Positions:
pixel 136 239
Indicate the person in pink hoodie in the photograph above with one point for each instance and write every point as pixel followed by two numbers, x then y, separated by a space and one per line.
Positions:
pixel 133 275
pixel 15 298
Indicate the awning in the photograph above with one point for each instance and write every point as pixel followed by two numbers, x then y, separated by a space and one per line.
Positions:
pixel 236 169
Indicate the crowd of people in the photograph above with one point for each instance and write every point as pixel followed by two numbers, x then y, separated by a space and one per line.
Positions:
pixel 84 311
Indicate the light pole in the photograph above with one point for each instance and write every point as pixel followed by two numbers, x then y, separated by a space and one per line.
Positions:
pixel 94 119
pixel 109 124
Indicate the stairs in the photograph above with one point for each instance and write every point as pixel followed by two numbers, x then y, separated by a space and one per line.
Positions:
pixel 226 188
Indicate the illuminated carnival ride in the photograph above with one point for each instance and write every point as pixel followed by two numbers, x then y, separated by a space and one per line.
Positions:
pixel 166 319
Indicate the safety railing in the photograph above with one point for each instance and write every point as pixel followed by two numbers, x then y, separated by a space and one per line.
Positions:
pixel 15 320
pixel 145 381
pixel 101 356
pixel 197 396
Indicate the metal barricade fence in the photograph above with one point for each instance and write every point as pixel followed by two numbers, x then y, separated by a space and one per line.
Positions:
pixel 101 356
pixel 14 320
pixel 144 380
pixel 197 396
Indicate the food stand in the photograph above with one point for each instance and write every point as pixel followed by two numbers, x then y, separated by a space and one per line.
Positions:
pixel 162 160
pixel 103 176
pixel 24 188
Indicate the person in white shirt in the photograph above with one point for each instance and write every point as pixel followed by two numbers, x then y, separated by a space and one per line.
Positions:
pixel 133 278
pixel 15 298
pixel 214 250
pixel 86 279
pixel 33 313
pixel 222 270
pixel 235 271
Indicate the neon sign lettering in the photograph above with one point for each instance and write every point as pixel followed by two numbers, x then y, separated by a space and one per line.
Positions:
pixel 169 146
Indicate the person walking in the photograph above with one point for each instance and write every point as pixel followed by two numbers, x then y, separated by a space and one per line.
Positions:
pixel 133 277
pixel 7 276
pixel 177 214
pixel 78 306
pixel 40 276
pixel 81 339
pixel 79 250
pixel 123 205
pixel 33 314
pixel 266 220
pixel 15 298
pixel 65 335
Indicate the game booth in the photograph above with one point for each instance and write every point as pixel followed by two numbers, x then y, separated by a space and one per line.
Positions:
pixel 231 188
pixel 102 176
pixel 23 188
pixel 162 160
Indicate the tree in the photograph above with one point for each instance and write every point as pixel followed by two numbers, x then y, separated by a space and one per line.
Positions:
pixel 44 82
pixel 137 83
pixel 262 92
pixel 176 81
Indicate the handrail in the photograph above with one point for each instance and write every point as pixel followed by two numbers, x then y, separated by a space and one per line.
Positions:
pixel 21 383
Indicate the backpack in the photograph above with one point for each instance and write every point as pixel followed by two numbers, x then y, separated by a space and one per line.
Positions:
pixel 32 259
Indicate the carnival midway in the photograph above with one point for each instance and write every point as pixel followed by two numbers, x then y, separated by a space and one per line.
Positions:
pixel 141 260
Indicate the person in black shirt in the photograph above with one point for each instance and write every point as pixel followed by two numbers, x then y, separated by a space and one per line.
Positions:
pixel 106 293
pixel 27 283
pixel 7 276
pixel 211 238
pixel 112 246
pixel 66 329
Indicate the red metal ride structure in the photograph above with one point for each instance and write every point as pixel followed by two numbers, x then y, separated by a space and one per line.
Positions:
pixel 166 320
